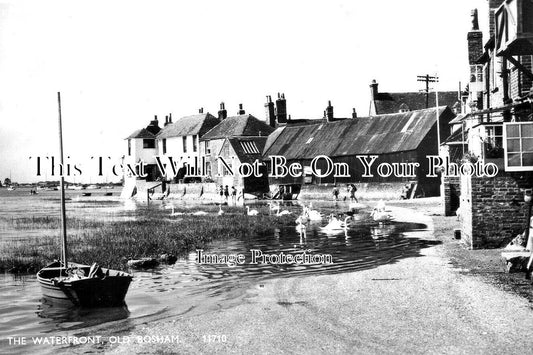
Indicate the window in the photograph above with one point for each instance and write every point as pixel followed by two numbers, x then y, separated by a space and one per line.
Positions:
pixel 194 143
pixel 518 147
pixel 207 149
pixel 164 146
pixel 148 143
pixel 476 73
pixel 184 140
pixel 493 142
pixel 129 147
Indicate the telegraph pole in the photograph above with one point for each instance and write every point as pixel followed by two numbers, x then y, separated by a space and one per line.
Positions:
pixel 427 79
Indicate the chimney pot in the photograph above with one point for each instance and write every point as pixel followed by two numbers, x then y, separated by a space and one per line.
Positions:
pixel 329 112
pixel 169 118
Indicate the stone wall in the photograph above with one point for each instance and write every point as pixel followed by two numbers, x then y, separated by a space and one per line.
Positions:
pixel 492 210
pixel 365 191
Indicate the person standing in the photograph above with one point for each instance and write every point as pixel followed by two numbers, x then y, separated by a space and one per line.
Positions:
pixel 352 189
pixel 335 192
pixel 234 195
pixel 226 193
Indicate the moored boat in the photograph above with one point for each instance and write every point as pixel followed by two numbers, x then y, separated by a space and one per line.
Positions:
pixel 83 285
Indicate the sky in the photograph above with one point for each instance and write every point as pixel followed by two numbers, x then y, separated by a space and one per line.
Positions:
pixel 119 63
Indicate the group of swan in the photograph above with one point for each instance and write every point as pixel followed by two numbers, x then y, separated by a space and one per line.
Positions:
pixel 197 213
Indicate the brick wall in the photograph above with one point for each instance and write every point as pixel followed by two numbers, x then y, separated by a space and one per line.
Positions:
pixel 492 209
pixel 451 194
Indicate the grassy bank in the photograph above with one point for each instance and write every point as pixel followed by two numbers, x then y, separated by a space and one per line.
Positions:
pixel 112 243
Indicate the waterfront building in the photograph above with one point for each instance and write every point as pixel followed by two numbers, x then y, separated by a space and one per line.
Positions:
pixel 495 127
pixel 398 138
pixel 236 140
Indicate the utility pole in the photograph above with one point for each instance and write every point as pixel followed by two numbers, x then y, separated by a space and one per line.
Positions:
pixel 427 79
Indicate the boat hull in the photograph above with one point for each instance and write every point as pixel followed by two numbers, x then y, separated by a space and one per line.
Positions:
pixel 106 291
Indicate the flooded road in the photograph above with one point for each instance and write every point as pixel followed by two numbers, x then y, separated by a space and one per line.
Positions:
pixel 187 288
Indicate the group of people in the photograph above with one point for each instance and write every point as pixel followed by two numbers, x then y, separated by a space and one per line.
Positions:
pixel 225 193
pixel 351 191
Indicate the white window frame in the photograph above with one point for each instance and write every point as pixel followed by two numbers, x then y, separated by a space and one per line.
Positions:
pixel 521 167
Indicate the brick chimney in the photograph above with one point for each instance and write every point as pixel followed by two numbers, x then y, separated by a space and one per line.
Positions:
pixel 493 6
pixel 354 113
pixel 270 112
pixel 222 113
pixel 169 118
pixel 201 110
pixel 281 109
pixel 374 90
pixel 329 112
pixel 153 127
pixel 241 110
pixel 475 40
pixel 166 121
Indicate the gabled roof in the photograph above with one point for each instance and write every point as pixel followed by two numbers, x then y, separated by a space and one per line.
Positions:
pixel 238 126
pixel 393 102
pixel 248 149
pixel 189 125
pixel 381 134
pixel 142 133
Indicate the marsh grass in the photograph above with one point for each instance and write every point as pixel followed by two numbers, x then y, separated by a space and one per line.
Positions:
pixel 112 243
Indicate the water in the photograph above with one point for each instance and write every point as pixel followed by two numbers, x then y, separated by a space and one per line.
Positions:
pixel 186 288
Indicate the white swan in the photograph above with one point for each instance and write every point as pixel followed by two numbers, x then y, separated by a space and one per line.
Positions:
pixel 283 213
pixel 220 212
pixel 356 206
pixel 336 225
pixel 380 216
pixel 251 212
pixel 199 213
pixel 173 213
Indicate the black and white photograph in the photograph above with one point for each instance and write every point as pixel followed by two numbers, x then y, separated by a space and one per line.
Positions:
pixel 266 177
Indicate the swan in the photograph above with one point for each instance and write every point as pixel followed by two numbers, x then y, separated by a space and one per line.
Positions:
pixel 251 212
pixel 173 213
pixel 220 212
pixel 380 216
pixel 314 215
pixel 336 225
pixel 283 213
pixel 199 213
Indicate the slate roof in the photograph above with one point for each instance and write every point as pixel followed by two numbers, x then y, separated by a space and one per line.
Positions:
pixel 393 102
pixel 248 149
pixel 381 134
pixel 235 126
pixel 142 133
pixel 189 125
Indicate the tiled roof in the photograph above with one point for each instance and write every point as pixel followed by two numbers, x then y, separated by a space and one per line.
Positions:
pixel 189 125
pixel 141 133
pixel 394 102
pixel 381 134
pixel 235 126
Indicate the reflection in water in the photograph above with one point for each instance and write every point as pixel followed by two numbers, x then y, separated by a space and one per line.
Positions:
pixel 187 287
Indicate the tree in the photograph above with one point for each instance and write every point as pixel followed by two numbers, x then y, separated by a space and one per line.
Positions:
pixel 7 181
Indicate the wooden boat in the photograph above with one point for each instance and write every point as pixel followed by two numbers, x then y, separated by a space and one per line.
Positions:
pixel 81 285
pixel 105 287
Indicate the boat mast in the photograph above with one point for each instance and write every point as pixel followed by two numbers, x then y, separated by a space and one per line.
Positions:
pixel 62 185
